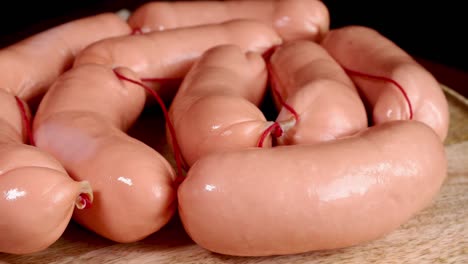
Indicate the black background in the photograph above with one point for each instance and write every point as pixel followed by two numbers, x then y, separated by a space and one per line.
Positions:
pixel 435 31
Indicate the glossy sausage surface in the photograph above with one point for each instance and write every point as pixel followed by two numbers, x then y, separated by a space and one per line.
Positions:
pixel 216 107
pixel 310 81
pixel 292 19
pixel 171 53
pixel 365 50
pixel 82 122
pixel 33 64
pixel 294 199
pixel 37 197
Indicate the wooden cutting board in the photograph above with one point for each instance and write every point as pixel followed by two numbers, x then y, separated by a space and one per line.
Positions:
pixel 438 234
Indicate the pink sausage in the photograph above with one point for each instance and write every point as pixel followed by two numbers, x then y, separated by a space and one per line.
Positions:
pixel 91 121
pixel 294 199
pixel 216 107
pixel 292 19
pixel 37 203
pixel 170 54
pixel 31 65
pixel 310 81
pixel 37 196
pixel 365 50
pixel 81 122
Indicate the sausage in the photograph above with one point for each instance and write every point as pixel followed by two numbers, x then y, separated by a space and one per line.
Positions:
pixel 293 199
pixel 37 202
pixel 177 49
pixel 216 107
pixel 292 19
pixel 34 63
pixel 37 195
pixel 81 122
pixel 94 120
pixel 364 50
pixel 323 97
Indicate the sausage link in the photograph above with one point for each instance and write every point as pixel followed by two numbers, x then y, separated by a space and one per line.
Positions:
pixel 216 107
pixel 364 50
pixel 81 122
pixel 294 199
pixel 292 19
pixel 323 97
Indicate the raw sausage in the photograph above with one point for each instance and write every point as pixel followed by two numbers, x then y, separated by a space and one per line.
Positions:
pixel 292 19
pixel 68 111
pixel 323 97
pixel 34 63
pixel 364 50
pixel 91 121
pixel 37 201
pixel 81 122
pixel 292 199
pixel 216 107
pixel 170 54
pixel 37 196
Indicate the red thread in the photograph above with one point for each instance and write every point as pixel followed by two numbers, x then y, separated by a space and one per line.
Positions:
pixel 383 78
pixel 26 121
pixel 27 125
pixel 86 200
pixel 271 76
pixel 275 130
pixel 284 104
pixel 267 54
pixel 177 153
pixel 136 31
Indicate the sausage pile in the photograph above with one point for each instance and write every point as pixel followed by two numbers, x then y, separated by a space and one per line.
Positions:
pixel 355 151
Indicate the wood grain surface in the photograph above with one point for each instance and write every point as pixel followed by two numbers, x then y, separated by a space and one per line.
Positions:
pixel 438 234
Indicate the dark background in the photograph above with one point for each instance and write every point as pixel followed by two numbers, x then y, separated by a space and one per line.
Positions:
pixel 435 31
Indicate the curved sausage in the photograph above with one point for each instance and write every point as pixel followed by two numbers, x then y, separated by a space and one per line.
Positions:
pixel 292 19
pixel 37 203
pixel 177 49
pixel 81 122
pixel 34 63
pixel 364 50
pixel 325 100
pixel 170 54
pixel 216 107
pixel 37 196
pixel 300 198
